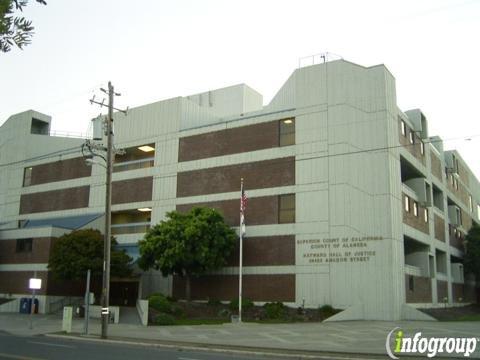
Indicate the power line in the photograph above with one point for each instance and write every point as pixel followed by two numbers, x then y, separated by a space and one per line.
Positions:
pixel 75 149
pixel 62 152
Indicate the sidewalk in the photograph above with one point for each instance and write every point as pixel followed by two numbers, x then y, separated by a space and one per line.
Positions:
pixel 346 337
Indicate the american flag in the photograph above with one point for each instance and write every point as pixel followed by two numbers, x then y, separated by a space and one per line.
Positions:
pixel 243 206
pixel 243 201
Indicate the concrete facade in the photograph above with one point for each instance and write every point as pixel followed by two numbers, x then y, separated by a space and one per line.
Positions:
pixel 351 202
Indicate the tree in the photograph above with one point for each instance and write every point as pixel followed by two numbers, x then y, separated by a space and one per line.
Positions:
pixel 472 253
pixel 188 244
pixel 74 253
pixel 14 30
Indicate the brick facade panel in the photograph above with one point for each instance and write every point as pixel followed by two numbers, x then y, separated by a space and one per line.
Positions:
pixel 256 175
pixel 279 287
pixel 439 226
pixel 415 148
pixel 60 170
pixel 458 293
pixel 442 290
pixel 422 290
pixel 55 200
pixel 229 141
pixel 260 210
pixel 133 190
pixel 40 252
pixel 16 282
pixel 416 222
pixel 436 166
pixel 265 251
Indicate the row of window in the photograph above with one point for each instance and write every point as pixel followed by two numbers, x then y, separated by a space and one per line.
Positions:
pixel 138 220
pixel 452 179
pixel 411 136
pixel 414 208
pixel 287 132
pixel 24 245
pixel 455 232
pixel 138 157
pixel 454 183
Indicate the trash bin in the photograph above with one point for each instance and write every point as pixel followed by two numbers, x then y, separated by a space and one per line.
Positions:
pixel 36 303
pixel 81 311
pixel 26 305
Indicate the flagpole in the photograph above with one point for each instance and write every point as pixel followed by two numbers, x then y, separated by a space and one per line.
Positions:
pixel 240 262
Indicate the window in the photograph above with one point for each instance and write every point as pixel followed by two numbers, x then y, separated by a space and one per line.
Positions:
pixel 410 283
pixel 27 176
pixel 134 221
pixel 40 127
pixel 455 164
pixel 403 127
pixel 459 216
pixel 425 215
pixel 470 203
pixel 411 137
pixel 422 148
pixel 24 245
pixel 415 208
pixel 136 157
pixel 455 182
pixel 286 209
pixel 407 204
pixel 478 212
pixel 287 132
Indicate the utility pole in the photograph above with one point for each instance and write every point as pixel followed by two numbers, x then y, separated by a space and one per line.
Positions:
pixel 108 218
pixel 108 203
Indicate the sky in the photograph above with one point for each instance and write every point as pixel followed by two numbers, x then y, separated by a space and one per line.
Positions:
pixel 155 49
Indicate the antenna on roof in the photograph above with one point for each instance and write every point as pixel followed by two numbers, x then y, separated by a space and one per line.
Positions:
pixel 315 59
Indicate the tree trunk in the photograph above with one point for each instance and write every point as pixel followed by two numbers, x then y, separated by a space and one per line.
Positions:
pixel 187 287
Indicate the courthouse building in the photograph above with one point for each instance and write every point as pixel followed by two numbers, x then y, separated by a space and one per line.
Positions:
pixel 352 202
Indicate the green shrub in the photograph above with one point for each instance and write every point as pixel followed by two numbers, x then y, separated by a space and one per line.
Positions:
pixel 224 313
pixel 176 310
pixel 275 310
pixel 154 295
pixel 246 304
pixel 164 319
pixel 213 302
pixel 326 311
pixel 171 299
pixel 159 303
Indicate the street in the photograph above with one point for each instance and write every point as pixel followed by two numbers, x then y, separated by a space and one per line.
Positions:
pixel 43 348
pixel 48 348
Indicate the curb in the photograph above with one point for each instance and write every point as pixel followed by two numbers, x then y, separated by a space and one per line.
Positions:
pixel 228 349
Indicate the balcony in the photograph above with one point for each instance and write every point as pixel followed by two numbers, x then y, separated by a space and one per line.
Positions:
pixel 456 268
pixel 135 221
pixel 133 228
pixel 136 157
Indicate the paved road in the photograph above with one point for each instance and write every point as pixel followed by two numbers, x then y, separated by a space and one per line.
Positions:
pixel 351 338
pixel 43 348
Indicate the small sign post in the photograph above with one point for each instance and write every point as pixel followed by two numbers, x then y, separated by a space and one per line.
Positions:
pixel 67 319
pixel 33 284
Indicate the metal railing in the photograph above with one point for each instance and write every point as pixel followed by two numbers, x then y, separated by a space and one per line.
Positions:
pixel 130 228
pixel 58 305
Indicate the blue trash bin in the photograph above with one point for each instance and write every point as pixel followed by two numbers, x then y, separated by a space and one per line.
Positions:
pixel 25 305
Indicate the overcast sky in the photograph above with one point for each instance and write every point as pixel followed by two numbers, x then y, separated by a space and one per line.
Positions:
pixel 153 50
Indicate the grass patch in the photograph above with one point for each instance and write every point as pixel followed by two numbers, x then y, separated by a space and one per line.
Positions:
pixel 474 317
pixel 200 321
pixel 270 321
